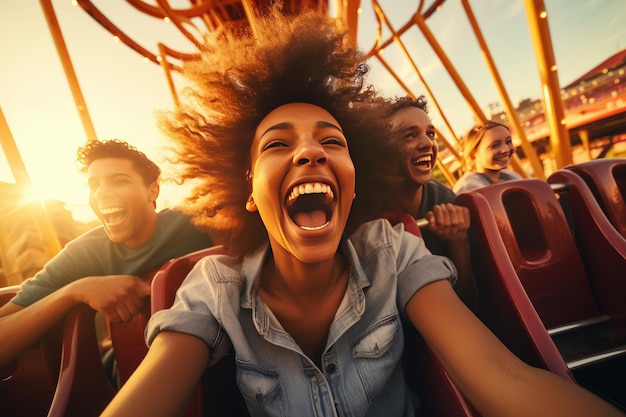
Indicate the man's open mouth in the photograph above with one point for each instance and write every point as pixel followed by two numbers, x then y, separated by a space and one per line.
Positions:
pixel 310 205
pixel 425 161
pixel 112 215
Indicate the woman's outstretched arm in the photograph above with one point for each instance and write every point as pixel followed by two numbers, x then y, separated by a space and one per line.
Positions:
pixel 165 379
pixel 495 381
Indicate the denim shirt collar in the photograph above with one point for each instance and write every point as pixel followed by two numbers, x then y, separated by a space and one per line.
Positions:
pixel 251 272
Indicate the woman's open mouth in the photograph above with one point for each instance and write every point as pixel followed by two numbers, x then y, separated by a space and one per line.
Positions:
pixel 310 205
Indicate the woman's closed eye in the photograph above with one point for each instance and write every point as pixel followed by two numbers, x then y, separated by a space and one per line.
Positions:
pixel 333 140
pixel 276 143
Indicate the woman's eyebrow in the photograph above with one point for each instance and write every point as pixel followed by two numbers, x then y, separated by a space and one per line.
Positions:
pixel 287 125
pixel 322 124
pixel 279 126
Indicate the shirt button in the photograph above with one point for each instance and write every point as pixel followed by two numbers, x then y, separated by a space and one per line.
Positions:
pixel 331 368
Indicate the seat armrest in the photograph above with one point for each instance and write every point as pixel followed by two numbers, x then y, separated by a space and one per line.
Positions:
pixel 83 388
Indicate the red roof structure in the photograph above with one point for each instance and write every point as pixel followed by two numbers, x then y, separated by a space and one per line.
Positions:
pixel 611 62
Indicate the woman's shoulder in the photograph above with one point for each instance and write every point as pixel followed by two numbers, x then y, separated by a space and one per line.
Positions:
pixel 212 274
pixel 507 174
pixel 384 235
pixel 469 181
pixel 370 229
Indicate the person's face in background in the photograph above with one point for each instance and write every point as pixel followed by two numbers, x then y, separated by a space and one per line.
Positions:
pixel 416 137
pixel 495 150
pixel 122 201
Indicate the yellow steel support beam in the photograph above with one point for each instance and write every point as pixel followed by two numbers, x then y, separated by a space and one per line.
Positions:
pixel 64 56
pixel 12 154
pixel 511 113
pixel 584 137
pixel 167 70
pixel 381 17
pixel 22 179
pixel 555 115
pixel 447 64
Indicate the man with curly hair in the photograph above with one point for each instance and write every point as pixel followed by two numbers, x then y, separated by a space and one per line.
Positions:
pixel 102 268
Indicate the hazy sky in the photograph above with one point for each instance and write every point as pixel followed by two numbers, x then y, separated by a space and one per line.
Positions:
pixel 122 91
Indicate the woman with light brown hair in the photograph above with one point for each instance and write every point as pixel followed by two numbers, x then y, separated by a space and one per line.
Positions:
pixel 488 151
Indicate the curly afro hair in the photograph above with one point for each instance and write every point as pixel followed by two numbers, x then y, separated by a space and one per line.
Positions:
pixel 240 77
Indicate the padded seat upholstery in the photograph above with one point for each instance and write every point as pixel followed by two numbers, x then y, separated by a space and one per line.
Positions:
pixel 551 289
pixel 606 179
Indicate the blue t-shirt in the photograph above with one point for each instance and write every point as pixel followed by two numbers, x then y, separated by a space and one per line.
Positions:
pixel 434 193
pixel 94 254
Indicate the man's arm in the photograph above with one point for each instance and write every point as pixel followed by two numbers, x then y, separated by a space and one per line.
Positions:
pixel 118 297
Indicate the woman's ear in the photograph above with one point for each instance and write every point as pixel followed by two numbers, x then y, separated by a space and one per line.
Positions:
pixel 250 204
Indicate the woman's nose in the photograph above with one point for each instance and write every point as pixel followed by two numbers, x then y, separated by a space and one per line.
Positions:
pixel 507 148
pixel 310 152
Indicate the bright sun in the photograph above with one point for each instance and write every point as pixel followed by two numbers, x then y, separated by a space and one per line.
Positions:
pixel 55 176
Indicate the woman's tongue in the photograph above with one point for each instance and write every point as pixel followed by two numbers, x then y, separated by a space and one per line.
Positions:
pixel 310 219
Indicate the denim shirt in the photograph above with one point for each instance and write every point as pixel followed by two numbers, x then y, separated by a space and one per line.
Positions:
pixel 361 372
